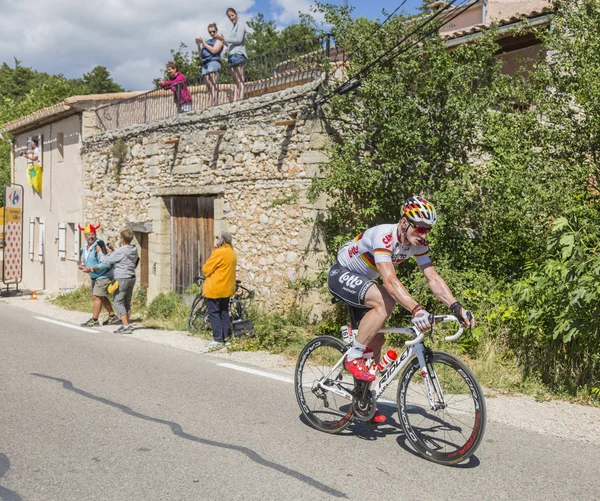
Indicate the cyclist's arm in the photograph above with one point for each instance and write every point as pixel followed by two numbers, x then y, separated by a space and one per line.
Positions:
pixel 394 287
pixel 437 284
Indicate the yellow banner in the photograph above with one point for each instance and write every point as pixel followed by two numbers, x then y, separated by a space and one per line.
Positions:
pixel 14 215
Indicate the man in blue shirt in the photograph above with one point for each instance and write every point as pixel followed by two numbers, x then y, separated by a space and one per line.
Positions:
pixel 100 274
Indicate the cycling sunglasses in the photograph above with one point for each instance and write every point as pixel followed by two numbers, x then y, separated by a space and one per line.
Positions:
pixel 419 229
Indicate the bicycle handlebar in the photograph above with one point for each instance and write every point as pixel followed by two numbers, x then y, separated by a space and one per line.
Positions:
pixel 418 336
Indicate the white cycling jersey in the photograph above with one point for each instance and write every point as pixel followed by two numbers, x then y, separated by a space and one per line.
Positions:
pixel 379 244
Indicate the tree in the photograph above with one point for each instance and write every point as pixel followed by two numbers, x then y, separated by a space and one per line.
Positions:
pixel 98 81
pixel 511 164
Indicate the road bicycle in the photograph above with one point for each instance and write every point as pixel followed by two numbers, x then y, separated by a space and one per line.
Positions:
pixel 198 318
pixel 440 403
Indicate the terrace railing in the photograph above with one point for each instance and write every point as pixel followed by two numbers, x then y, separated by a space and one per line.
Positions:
pixel 271 72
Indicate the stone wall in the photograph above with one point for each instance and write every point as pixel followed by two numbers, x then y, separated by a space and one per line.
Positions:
pixel 259 172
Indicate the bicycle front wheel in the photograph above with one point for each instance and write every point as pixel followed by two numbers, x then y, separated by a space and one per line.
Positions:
pixel 451 431
pixel 317 379
pixel 198 319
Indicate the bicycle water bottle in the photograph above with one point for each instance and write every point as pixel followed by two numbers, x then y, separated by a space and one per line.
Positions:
pixel 386 360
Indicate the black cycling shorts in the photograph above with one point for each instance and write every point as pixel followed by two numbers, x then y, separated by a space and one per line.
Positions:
pixel 347 285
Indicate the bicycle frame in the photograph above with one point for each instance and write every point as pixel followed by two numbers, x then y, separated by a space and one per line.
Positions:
pixel 416 347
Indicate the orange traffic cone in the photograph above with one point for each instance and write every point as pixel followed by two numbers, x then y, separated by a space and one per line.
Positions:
pixel 33 296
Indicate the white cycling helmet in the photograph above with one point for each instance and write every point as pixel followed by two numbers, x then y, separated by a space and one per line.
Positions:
pixel 418 210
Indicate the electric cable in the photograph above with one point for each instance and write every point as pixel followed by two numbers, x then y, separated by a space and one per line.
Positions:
pixel 354 81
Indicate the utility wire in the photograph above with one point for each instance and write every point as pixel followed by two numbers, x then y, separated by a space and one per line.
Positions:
pixel 354 81
pixel 465 6
pixel 378 27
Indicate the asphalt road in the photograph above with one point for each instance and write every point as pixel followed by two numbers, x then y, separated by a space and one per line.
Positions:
pixel 102 416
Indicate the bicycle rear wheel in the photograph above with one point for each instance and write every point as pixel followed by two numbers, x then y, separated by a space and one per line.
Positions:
pixel 198 319
pixel 452 431
pixel 324 409
pixel 237 311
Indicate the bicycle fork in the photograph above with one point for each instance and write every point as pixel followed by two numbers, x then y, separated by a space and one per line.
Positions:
pixel 430 380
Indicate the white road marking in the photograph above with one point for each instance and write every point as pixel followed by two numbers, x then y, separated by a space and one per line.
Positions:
pixel 279 378
pixel 64 324
pixel 257 372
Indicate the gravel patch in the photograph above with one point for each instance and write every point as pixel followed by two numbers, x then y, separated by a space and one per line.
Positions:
pixel 555 418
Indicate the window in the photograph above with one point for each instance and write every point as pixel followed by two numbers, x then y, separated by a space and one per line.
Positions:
pixel 60 146
pixel 35 145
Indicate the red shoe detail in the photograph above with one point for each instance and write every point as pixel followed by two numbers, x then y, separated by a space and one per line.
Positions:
pixel 358 370
pixel 378 418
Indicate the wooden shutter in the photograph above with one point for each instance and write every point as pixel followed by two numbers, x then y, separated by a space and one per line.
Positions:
pixel 76 241
pixel 62 240
pixel 31 237
pixel 41 240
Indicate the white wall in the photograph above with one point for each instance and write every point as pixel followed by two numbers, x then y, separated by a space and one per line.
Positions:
pixel 61 201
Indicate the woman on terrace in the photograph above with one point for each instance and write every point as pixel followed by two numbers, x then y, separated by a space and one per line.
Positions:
pixel 210 53
pixel 236 53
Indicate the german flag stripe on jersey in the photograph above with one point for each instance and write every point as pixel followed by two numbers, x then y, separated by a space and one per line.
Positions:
pixel 367 257
pixel 421 255
pixel 383 251
pixel 359 236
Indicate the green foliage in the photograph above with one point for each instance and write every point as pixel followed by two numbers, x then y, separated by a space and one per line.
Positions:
pixel 554 307
pixel 99 81
pixel 119 151
pixel 284 332
pixel 79 299
pixel 511 163
pixel 263 36
pixel 167 306
pixel 140 298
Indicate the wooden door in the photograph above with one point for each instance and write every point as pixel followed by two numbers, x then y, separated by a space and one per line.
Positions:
pixel 192 230
pixel 142 239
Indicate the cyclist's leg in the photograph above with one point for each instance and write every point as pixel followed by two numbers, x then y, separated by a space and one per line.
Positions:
pixel 381 306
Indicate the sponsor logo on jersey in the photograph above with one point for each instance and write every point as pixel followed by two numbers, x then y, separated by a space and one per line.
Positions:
pixel 334 271
pixel 350 280
pixel 387 241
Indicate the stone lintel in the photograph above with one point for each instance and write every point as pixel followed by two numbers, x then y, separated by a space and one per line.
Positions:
pixel 140 227
pixel 167 191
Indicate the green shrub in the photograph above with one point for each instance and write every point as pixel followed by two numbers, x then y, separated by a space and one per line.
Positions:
pixel 79 299
pixel 167 306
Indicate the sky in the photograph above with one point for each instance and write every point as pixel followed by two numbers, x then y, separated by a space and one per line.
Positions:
pixel 132 38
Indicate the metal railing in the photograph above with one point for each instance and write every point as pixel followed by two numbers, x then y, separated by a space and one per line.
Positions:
pixel 271 72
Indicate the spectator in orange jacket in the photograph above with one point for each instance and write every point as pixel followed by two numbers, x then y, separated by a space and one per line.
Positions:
pixel 219 286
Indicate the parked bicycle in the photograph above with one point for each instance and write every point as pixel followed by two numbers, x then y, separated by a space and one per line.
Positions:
pixel 440 403
pixel 198 318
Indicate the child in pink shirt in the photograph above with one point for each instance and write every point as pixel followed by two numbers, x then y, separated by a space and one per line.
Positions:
pixel 181 94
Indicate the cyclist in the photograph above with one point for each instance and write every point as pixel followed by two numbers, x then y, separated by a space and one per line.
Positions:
pixel 374 253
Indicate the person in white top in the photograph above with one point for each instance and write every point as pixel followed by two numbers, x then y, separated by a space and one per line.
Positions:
pixel 33 154
pixel 375 253
pixel 236 52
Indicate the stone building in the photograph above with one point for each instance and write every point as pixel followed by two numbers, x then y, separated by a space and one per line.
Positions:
pixel 243 167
